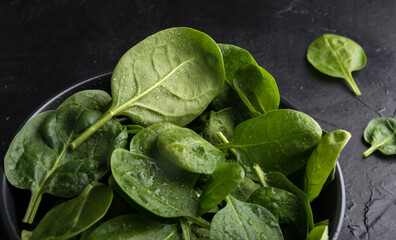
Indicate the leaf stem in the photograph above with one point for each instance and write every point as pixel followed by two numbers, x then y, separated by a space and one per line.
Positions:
pixel 31 211
pixel 199 221
pixel 352 83
pixel 225 140
pixel 370 150
pixel 260 174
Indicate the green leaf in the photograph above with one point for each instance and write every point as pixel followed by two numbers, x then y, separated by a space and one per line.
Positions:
pixel 381 134
pixel 319 233
pixel 133 226
pixel 240 220
pixel 171 76
pixel 72 217
pixel 189 151
pixel 322 161
pixel 257 88
pixel 243 191
pixel 279 140
pixel 337 56
pixel 91 99
pixel 146 184
pixel 223 181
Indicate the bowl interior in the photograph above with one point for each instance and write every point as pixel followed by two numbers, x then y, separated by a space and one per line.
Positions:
pixel 330 205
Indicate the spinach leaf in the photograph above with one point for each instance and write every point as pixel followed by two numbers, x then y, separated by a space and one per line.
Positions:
pixel 322 161
pixel 286 207
pixel 189 151
pixel 39 158
pixel 277 141
pixel 337 56
pixel 133 226
pixel 72 217
pixel 243 191
pixel 223 181
pixel 240 220
pixel 146 184
pixel 171 76
pixel 319 233
pixel 257 88
pixel 222 121
pixel 381 134
pixel 91 99
pixel 234 57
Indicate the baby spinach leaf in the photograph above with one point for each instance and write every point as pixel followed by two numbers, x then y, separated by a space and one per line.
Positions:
pixel 39 158
pixel 243 191
pixel 146 184
pixel 240 220
pixel 319 233
pixel 223 181
pixel 257 88
pixel 171 76
pixel 133 226
pixel 277 141
pixel 72 217
pixel 337 56
pixel 286 207
pixel 381 134
pixel 234 57
pixel 222 121
pixel 322 161
pixel 91 99
pixel 189 151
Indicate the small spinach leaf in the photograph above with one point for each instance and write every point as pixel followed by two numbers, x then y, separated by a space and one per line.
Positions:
pixel 337 56
pixel 319 233
pixel 381 134
pixel 91 99
pixel 223 181
pixel 240 220
pixel 72 217
pixel 322 161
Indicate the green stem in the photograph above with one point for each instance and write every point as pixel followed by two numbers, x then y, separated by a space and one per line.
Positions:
pixel 352 83
pixel 92 129
pixel 199 221
pixel 31 211
pixel 260 175
pixel 370 150
pixel 185 229
pixel 225 140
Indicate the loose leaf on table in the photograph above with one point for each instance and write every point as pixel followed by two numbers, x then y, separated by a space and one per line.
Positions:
pixel 337 56
pixel 223 181
pixel 240 220
pixel 320 232
pixel 381 134
pixel 146 184
pixel 280 140
pixel 222 121
pixel 322 161
pixel 257 88
pixel 40 159
pixel 171 76
pixel 286 207
pixel 189 151
pixel 72 217
pixel 134 226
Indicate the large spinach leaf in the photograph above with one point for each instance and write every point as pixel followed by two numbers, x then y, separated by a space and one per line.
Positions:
pixel 322 161
pixel 240 220
pixel 223 181
pixel 171 76
pixel 280 140
pixel 381 134
pixel 133 226
pixel 40 159
pixel 337 56
pixel 72 217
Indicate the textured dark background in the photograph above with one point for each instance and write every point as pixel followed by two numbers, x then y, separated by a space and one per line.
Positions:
pixel 46 46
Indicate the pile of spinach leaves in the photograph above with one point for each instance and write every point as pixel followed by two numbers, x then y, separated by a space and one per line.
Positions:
pixel 205 152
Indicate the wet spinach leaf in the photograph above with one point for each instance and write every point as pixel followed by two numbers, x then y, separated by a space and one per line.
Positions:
pixel 134 226
pixel 381 134
pixel 91 99
pixel 257 88
pixel 40 159
pixel 72 217
pixel 243 191
pixel 171 76
pixel 337 56
pixel 189 151
pixel 279 140
pixel 319 233
pixel 223 181
pixel 322 161
pixel 240 220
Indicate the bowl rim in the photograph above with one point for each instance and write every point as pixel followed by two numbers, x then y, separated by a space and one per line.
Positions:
pixel 12 230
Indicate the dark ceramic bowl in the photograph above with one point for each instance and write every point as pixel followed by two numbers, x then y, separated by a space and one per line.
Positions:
pixel 13 202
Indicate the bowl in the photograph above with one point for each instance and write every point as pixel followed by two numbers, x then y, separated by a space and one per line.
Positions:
pixel 13 201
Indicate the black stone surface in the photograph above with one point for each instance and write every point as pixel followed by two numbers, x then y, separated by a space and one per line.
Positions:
pixel 46 46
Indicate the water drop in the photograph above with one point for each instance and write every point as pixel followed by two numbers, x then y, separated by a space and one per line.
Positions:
pixel 250 221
